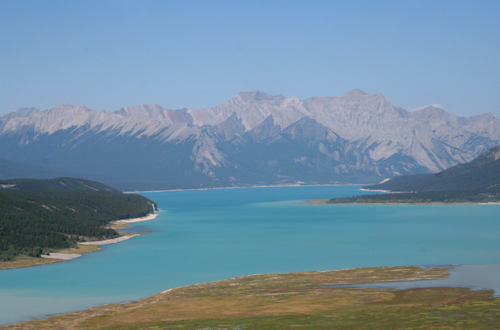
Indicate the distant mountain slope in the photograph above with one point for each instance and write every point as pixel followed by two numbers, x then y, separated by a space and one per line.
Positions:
pixel 54 185
pixel 39 216
pixel 475 182
pixel 481 173
pixel 254 138
pixel 12 169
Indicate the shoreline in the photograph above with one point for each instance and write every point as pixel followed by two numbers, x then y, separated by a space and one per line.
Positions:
pixel 325 202
pixel 380 190
pixel 228 292
pixel 254 186
pixel 335 284
pixel 110 240
pixel 81 249
pixel 148 217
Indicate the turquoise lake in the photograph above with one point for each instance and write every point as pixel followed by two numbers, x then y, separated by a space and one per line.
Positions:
pixel 208 235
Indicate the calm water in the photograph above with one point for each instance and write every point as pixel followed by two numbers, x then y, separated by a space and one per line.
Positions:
pixel 476 277
pixel 209 235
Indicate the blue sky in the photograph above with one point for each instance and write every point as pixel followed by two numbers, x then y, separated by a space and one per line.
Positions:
pixel 198 54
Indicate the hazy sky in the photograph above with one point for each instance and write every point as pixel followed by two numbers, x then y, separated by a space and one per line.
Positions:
pixel 197 54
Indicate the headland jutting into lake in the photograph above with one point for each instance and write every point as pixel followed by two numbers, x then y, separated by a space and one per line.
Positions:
pixel 82 248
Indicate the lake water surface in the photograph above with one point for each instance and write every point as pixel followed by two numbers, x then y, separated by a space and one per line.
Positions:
pixel 208 235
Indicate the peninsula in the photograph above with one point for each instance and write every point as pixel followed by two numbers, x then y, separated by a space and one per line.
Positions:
pixel 475 182
pixel 41 217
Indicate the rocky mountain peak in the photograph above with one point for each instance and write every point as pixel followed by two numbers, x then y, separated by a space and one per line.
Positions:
pixel 144 110
pixel 355 93
pixel 431 111
pixel 360 101
pixel 23 112
pixel 63 106
pixel 254 95
pixel 63 113
pixel 431 106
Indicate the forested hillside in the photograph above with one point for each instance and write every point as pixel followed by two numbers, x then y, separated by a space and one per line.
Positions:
pixel 452 196
pixel 474 182
pixel 38 216
pixel 53 185
pixel 481 173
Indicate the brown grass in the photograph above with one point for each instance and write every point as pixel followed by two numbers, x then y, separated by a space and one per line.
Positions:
pixel 26 262
pixel 22 262
pixel 257 296
pixel 81 249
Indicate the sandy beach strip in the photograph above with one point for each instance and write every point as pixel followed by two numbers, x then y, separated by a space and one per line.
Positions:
pixel 146 218
pixel 69 256
pixel 125 237
pixel 62 256
pixel 109 241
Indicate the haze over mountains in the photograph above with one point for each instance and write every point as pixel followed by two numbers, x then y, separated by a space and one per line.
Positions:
pixel 253 139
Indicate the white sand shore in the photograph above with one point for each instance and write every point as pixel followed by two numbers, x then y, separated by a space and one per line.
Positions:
pixel 109 241
pixel 69 256
pixel 62 256
pixel 146 218
pixel 122 238
pixel 379 190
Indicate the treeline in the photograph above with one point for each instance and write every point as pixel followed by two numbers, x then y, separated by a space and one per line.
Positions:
pixel 36 223
pixel 455 196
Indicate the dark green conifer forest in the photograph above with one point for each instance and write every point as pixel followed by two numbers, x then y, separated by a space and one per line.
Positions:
pixel 39 216
pixel 474 182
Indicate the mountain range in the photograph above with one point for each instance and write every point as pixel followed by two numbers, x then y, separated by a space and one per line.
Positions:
pixel 252 139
